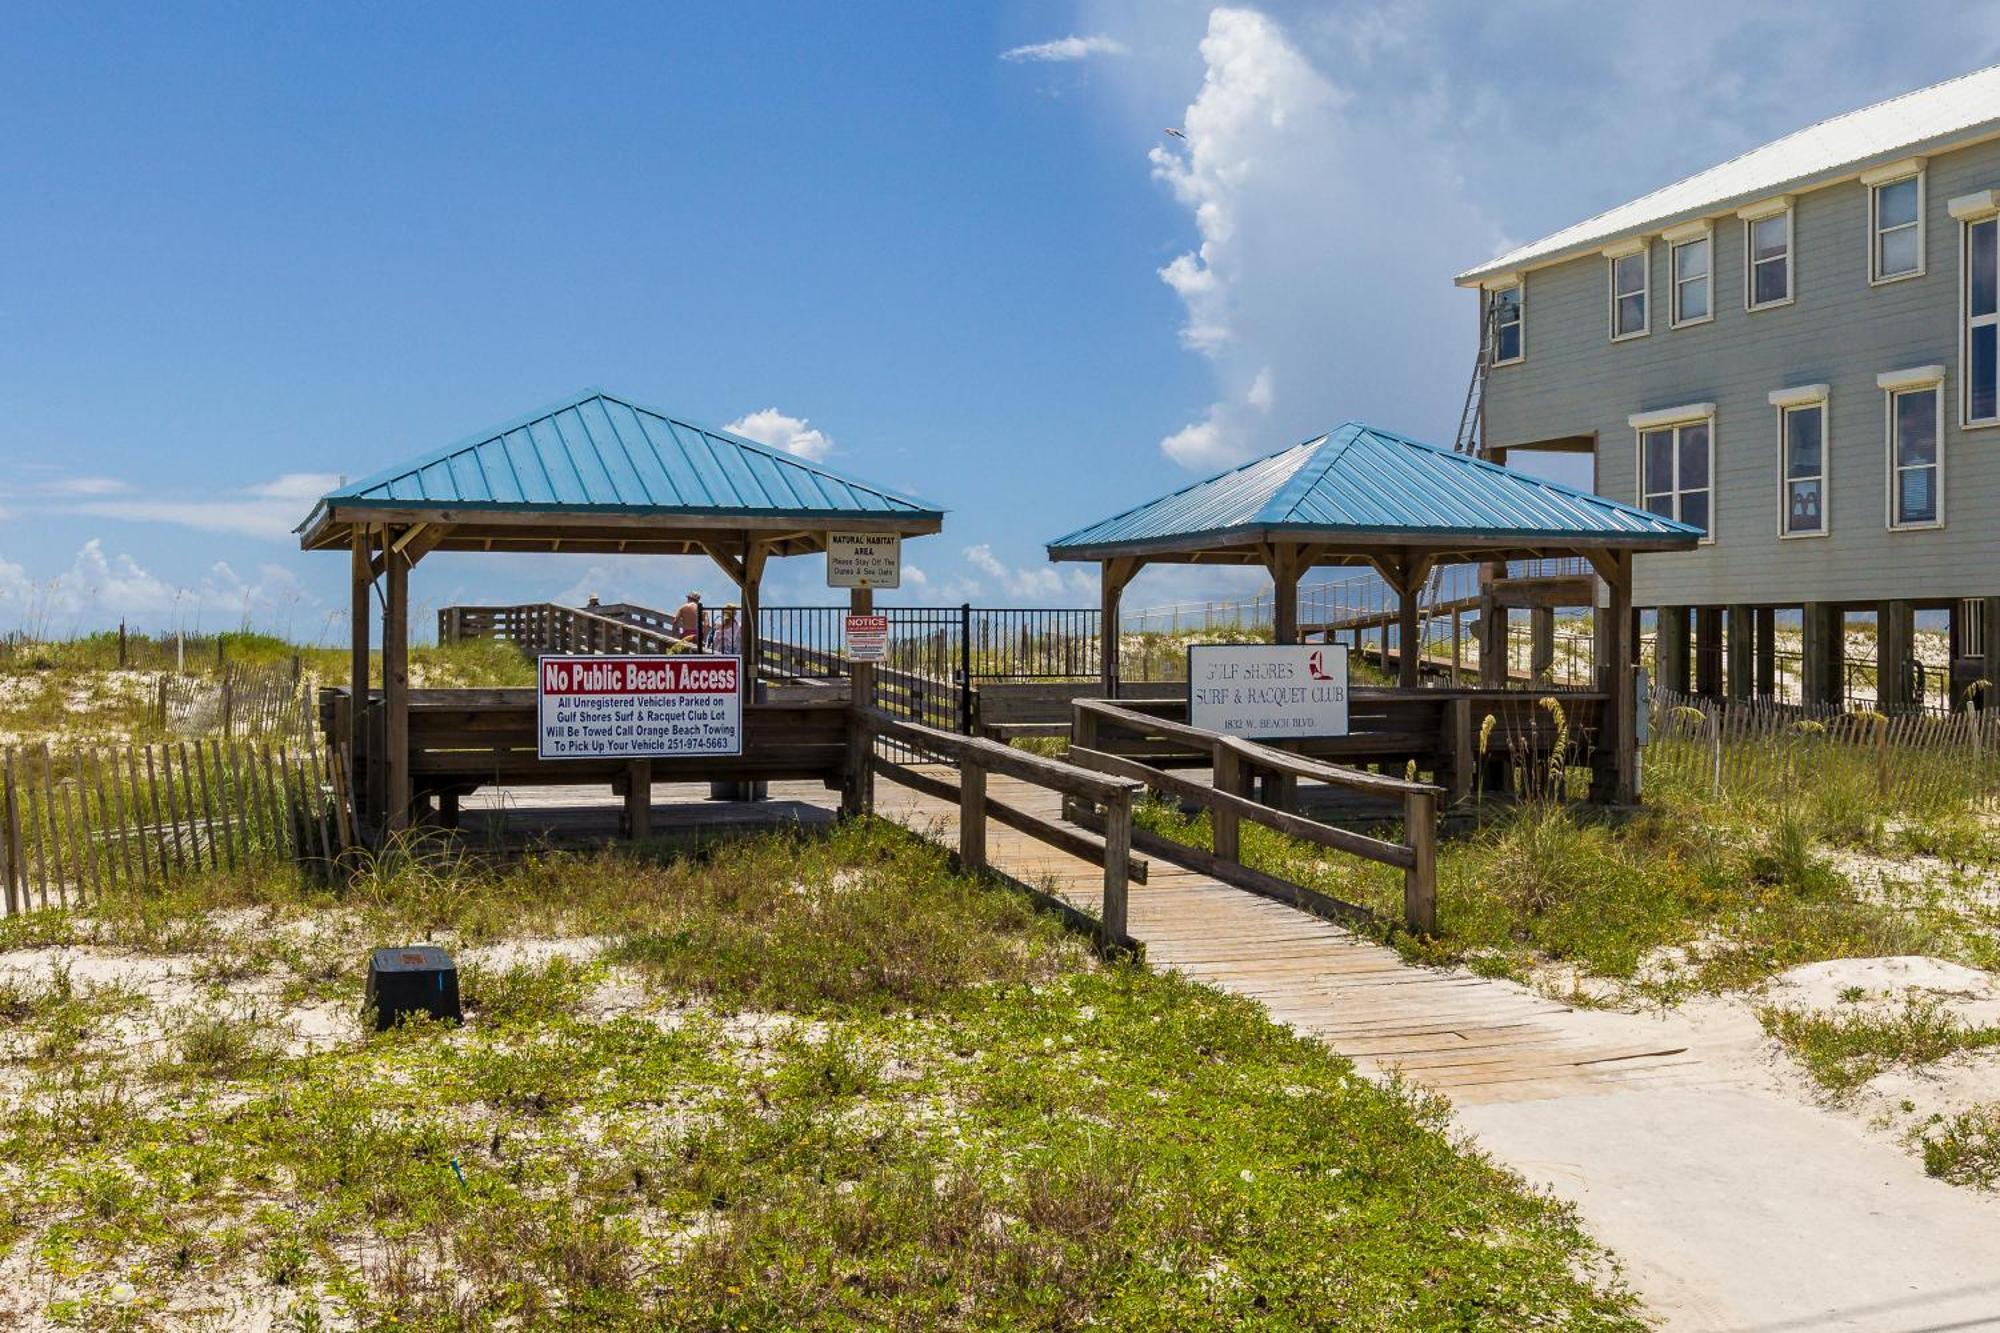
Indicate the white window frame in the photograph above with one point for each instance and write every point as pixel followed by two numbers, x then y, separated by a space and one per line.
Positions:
pixel 1491 289
pixel 1675 419
pixel 1764 212
pixel 1698 233
pixel 1792 400
pixel 1917 379
pixel 1612 255
pixel 1893 174
pixel 1970 210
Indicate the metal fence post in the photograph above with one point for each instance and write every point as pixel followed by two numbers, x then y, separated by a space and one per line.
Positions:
pixel 965 668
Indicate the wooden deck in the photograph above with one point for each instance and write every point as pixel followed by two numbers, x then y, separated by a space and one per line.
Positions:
pixel 1475 1039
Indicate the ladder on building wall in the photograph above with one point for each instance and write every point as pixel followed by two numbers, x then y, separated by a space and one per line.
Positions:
pixel 1475 392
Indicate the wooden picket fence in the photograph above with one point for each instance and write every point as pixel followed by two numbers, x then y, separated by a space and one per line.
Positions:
pixel 1761 749
pixel 77 822
pixel 271 702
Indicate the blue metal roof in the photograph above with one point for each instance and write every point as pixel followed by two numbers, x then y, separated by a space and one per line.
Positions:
pixel 599 454
pixel 1360 481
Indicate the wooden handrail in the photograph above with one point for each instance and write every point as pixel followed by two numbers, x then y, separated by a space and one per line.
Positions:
pixel 1416 856
pixel 1264 756
pixel 975 759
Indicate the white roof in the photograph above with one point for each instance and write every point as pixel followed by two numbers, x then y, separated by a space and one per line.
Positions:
pixel 1817 155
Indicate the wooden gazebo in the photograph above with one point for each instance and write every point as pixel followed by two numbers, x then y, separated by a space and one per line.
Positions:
pixel 1359 496
pixel 593 474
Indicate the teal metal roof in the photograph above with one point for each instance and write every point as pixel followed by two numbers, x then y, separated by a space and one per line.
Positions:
pixel 1357 481
pixel 599 454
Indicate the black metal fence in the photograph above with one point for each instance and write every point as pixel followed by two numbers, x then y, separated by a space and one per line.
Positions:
pixel 935 653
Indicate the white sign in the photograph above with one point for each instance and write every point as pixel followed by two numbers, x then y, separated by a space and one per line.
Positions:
pixel 867 638
pixel 638 707
pixel 1266 691
pixel 864 560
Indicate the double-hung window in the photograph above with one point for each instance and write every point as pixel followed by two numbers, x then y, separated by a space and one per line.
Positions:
pixel 1895 221
pixel 1677 463
pixel 1915 428
pixel 1802 450
pixel 1692 254
pixel 1630 292
pixel 1979 352
pixel 1503 316
pixel 1767 254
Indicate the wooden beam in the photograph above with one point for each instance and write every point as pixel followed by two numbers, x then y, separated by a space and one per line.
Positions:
pixel 751 589
pixel 359 612
pixel 1617 733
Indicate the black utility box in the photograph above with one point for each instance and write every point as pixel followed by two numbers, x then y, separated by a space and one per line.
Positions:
pixel 420 979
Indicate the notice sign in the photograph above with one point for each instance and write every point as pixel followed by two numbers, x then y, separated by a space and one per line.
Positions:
pixel 1265 691
pixel 867 638
pixel 864 560
pixel 638 707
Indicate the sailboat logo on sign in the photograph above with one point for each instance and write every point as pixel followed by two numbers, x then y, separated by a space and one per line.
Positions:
pixel 1316 666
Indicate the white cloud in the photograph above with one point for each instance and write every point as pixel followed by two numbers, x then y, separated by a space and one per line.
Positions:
pixel 792 434
pixel 1031 582
pixel 100 587
pixel 269 510
pixel 86 486
pixel 1066 49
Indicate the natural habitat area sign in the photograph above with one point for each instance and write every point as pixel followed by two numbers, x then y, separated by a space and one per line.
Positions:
pixel 864 560
pixel 638 707
pixel 1266 691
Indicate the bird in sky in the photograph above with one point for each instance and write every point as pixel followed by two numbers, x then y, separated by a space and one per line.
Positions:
pixel 1176 133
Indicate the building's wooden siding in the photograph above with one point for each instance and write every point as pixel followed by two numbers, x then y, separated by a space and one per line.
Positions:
pixel 1839 331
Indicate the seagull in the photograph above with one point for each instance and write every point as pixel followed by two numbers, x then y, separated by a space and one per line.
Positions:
pixel 1176 133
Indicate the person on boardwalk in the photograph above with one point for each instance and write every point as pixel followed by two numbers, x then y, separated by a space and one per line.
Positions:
pixel 728 636
pixel 687 620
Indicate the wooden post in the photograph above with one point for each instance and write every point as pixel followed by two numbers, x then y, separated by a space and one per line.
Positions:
pixel 396 689
pixel 1541 644
pixel 752 590
pixel 1117 861
pixel 1420 880
pixel 1767 652
pixel 1708 652
pixel 1409 637
pixel 1283 563
pixel 1825 645
pixel 1458 740
pixel 1619 782
pixel 1895 646
pixel 1113 575
pixel 357 676
pixel 1492 636
pixel 1671 656
pixel 972 819
pixel 638 799
pixel 1739 652
pixel 1223 820
pixel 1457 646
pixel 861 743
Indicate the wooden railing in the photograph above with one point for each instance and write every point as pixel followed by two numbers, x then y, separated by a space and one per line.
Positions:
pixel 545 627
pixel 1235 762
pixel 975 759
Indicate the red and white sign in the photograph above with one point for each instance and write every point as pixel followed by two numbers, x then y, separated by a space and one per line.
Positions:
pixel 867 638
pixel 638 707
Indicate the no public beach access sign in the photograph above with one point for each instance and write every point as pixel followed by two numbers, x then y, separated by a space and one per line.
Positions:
pixel 638 707
pixel 1266 691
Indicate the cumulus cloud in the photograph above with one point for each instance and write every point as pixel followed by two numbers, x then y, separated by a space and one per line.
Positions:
pixel 1316 286
pixel 1045 582
pixel 1066 49
pixel 101 586
pixel 792 434
pixel 269 510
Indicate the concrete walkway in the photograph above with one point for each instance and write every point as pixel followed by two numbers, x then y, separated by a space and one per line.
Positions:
pixel 1732 1202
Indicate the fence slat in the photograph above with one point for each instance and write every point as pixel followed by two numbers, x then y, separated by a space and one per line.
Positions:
pixel 17 871
pixel 53 843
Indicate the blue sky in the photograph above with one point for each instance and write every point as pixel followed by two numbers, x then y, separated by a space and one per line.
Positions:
pixel 251 248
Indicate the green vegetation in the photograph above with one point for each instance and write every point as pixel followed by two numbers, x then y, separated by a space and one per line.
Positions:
pixel 795 1082
pixel 1963 1149
pixel 1842 1051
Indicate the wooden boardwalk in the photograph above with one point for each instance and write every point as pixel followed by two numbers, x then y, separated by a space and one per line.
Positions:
pixel 1475 1039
